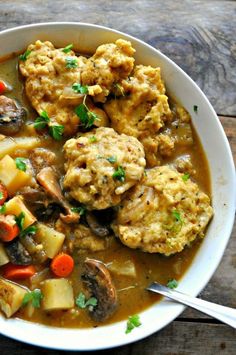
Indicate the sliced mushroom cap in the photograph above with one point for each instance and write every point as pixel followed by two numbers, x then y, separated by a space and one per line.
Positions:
pixel 47 178
pixel 97 228
pixel 18 255
pixel 98 280
pixel 11 117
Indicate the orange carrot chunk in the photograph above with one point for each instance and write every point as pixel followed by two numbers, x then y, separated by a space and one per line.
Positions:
pixel 3 87
pixel 8 228
pixel 62 265
pixel 3 194
pixel 18 272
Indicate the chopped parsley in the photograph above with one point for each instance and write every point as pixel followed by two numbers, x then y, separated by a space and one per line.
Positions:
pixel 34 296
pixel 92 139
pixel 20 164
pixel 86 116
pixel 20 220
pixel 25 55
pixel 133 322
pixel 195 108
pixel 42 121
pixel 112 159
pixel 80 89
pixel 71 63
pixel 3 208
pixel 177 216
pixel 81 302
pixel 56 131
pixel 68 48
pixel 119 174
pixel 80 210
pixel 1 195
pixel 185 177
pixel 29 230
pixel 172 283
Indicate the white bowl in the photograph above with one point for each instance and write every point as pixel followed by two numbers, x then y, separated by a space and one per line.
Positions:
pixel 87 37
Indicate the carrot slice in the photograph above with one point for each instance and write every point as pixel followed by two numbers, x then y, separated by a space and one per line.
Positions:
pixel 3 87
pixel 18 272
pixel 62 265
pixel 8 228
pixel 3 194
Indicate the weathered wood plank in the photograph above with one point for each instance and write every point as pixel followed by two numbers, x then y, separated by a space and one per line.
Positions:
pixel 179 338
pixel 199 35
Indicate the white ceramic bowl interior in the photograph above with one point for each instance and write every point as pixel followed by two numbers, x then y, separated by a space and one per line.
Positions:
pixel 87 37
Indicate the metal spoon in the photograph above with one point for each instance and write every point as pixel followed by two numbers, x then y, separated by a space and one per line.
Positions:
pixel 224 314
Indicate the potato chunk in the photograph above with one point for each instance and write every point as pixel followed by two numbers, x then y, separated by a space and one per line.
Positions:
pixel 9 145
pixel 58 294
pixel 3 256
pixel 50 239
pixel 15 206
pixel 12 177
pixel 11 297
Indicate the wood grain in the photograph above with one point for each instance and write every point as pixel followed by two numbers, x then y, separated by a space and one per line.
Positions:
pixel 200 36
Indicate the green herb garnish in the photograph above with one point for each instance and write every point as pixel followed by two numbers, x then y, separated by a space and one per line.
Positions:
pixel 195 108
pixel 86 117
pixel 56 131
pixel 20 164
pixel 177 216
pixel 29 230
pixel 133 322
pixel 92 139
pixel 34 296
pixel 81 301
pixel 80 89
pixel 80 210
pixel 71 63
pixel 25 55
pixel 20 220
pixel 3 208
pixel 119 174
pixel 1 195
pixel 68 48
pixel 112 159
pixel 42 121
pixel 172 283
pixel 120 88
pixel 185 177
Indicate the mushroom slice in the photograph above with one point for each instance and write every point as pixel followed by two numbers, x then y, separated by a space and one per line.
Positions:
pixel 11 117
pixel 47 178
pixel 97 228
pixel 98 279
pixel 18 255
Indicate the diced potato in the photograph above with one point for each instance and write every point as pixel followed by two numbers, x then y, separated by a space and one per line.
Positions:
pixel 51 239
pixel 15 206
pixel 11 297
pixel 12 177
pixel 3 256
pixel 10 145
pixel 125 268
pixel 57 294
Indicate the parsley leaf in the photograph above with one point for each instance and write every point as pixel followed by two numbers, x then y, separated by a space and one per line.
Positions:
pixel 25 55
pixel 3 208
pixel 20 220
pixel 42 121
pixel 71 63
pixel 1 195
pixel 56 131
pixel 177 216
pixel 112 159
pixel 29 230
pixel 172 283
pixel 195 108
pixel 86 117
pixel 34 296
pixel 81 210
pixel 133 322
pixel 119 174
pixel 68 48
pixel 81 301
pixel 185 177
pixel 80 89
pixel 20 164
pixel 92 139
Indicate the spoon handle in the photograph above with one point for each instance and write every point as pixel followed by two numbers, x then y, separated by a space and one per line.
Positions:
pixel 224 314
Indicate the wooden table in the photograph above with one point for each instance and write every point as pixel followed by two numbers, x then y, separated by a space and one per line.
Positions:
pixel 200 36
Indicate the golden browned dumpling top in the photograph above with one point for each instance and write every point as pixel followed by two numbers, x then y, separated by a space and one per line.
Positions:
pixel 163 213
pixel 101 166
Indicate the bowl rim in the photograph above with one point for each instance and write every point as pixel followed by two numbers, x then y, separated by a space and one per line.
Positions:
pixel 179 308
